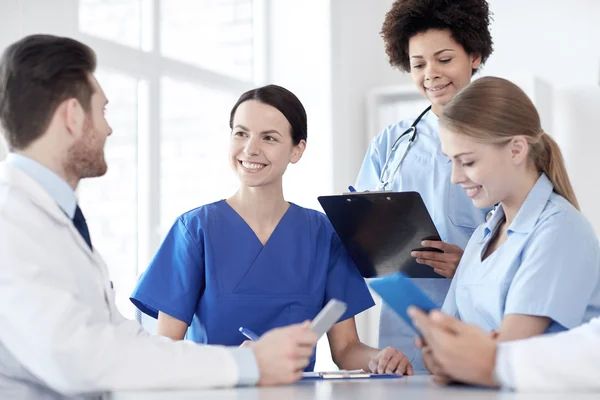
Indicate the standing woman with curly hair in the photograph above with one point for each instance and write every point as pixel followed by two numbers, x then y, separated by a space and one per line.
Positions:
pixel 441 43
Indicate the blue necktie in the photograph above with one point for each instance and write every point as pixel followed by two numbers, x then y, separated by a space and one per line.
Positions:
pixel 81 225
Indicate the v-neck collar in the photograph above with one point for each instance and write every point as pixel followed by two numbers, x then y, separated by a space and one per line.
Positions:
pixel 281 220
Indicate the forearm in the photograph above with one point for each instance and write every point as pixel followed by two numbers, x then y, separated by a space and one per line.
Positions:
pixel 140 363
pixel 74 351
pixel 170 327
pixel 518 327
pixel 355 356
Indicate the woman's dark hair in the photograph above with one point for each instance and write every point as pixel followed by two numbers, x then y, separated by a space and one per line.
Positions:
pixel 37 73
pixel 467 20
pixel 282 99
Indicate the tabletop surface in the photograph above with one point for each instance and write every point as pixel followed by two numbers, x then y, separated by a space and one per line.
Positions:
pixel 416 387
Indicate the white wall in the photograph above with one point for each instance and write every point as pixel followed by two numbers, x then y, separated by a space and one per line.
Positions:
pixel 299 58
pixel 578 120
pixel 557 41
pixel 359 64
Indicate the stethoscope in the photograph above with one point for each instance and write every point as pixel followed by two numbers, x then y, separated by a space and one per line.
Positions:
pixel 412 131
pixel 412 135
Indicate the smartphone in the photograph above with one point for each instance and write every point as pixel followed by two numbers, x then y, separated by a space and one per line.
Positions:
pixel 329 315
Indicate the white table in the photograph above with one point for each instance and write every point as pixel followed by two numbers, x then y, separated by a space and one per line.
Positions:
pixel 416 387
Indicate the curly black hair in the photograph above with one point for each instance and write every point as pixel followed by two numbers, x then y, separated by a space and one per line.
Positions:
pixel 467 20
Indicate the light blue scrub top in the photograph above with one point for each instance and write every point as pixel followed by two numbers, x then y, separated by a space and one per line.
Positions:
pixel 549 266
pixel 425 170
pixel 213 273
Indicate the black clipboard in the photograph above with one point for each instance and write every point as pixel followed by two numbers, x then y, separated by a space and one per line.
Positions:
pixel 380 229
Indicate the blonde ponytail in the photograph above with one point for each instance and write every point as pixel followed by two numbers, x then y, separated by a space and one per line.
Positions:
pixel 493 110
pixel 550 161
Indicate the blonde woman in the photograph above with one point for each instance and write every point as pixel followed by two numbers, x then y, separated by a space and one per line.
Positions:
pixel 534 267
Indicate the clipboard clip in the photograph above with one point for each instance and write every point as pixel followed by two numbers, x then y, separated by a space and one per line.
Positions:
pixel 345 375
pixel 353 374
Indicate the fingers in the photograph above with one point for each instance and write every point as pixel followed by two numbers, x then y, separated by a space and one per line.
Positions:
pixel 445 247
pixel 287 379
pixel 446 273
pixel 442 380
pixel 393 365
pixel 429 361
pixel 303 351
pixel 419 343
pixel 302 334
pixel 446 322
pixel 442 264
pixel 436 244
pixel 373 365
pixel 417 315
pixel 389 361
pixel 398 363
pixel 298 327
pixel 421 322
pixel 301 363
pixel 434 256
pixel 403 366
pixel 385 358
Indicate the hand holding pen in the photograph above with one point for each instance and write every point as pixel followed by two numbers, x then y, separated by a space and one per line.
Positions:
pixel 250 335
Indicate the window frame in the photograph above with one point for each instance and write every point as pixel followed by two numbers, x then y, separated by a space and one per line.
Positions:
pixel 148 66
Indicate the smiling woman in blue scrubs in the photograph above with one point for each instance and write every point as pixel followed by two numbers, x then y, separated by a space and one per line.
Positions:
pixel 255 260
pixel 534 267
pixel 441 44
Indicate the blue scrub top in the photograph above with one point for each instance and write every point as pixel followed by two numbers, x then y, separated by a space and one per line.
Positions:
pixel 425 170
pixel 213 273
pixel 549 266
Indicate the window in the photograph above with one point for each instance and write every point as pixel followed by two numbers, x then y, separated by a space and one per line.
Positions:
pixel 221 33
pixel 120 21
pixel 170 95
pixel 110 203
pixel 194 141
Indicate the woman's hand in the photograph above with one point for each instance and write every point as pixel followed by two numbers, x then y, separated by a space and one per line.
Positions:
pixel 429 360
pixel 444 263
pixel 390 361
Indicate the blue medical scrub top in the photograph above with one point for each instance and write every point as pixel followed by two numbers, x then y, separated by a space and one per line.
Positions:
pixel 549 266
pixel 213 273
pixel 425 170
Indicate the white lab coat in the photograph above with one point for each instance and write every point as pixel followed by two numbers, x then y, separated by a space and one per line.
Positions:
pixel 60 332
pixel 560 362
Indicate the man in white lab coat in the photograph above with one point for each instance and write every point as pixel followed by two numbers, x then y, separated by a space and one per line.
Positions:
pixel 60 332
pixel 565 361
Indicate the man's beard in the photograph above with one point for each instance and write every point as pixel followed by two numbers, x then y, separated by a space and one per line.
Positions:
pixel 86 156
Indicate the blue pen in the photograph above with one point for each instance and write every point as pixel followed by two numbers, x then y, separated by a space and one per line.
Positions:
pixel 249 334
pixel 351 189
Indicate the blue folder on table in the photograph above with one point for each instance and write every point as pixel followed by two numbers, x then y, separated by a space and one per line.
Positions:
pixel 400 292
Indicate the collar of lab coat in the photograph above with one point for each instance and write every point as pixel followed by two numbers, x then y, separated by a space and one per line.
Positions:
pixel 14 177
